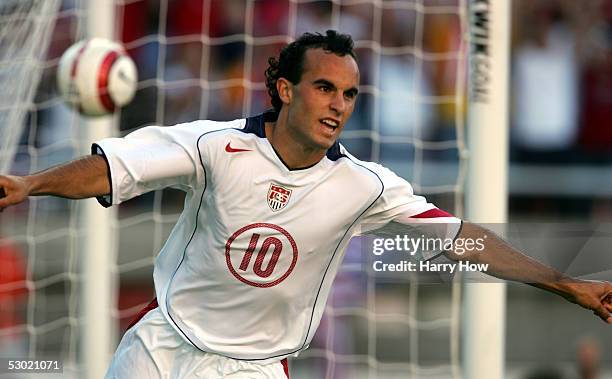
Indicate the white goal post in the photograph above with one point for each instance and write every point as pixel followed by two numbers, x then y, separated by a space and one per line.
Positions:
pixel 99 247
pixel 487 188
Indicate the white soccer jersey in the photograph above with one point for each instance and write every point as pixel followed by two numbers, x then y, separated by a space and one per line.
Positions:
pixel 248 267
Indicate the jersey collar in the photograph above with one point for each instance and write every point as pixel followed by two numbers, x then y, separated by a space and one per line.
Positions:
pixel 257 125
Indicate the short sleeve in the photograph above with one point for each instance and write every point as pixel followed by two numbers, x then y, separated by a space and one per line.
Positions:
pixel 152 158
pixel 399 210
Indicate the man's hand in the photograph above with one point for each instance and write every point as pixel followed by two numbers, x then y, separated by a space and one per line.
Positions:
pixel 13 190
pixel 593 295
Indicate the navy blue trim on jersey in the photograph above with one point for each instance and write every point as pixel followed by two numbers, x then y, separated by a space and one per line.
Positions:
pixel 195 228
pixel 336 249
pixel 334 153
pixel 453 244
pixel 257 125
pixel 97 150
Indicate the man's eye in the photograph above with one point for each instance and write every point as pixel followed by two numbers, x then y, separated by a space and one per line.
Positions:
pixel 324 88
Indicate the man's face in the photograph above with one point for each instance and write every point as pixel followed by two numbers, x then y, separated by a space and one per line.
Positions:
pixel 323 100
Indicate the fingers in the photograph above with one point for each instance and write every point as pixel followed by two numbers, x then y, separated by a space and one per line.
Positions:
pixel 10 192
pixel 607 302
pixel 603 313
pixel 2 196
pixel 604 308
pixel 9 200
pixel 2 199
pixel 597 297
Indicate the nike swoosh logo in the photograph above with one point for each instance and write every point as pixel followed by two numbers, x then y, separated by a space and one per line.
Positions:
pixel 230 149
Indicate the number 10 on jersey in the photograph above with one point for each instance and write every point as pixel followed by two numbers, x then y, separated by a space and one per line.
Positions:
pixel 273 248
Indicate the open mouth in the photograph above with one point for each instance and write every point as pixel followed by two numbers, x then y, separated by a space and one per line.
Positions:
pixel 330 123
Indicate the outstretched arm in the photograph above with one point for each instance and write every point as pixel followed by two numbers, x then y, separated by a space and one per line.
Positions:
pixel 82 178
pixel 506 262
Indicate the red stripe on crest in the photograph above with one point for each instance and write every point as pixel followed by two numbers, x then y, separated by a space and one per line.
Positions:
pixel 103 74
pixel 433 213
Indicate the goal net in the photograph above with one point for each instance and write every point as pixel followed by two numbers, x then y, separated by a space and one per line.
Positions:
pixel 25 28
pixel 205 59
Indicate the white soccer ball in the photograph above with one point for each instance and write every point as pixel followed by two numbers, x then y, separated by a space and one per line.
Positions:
pixel 96 76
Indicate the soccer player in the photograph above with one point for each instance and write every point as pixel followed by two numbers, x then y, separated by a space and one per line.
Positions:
pixel 271 203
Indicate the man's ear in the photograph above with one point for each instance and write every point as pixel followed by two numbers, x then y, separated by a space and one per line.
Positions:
pixel 285 90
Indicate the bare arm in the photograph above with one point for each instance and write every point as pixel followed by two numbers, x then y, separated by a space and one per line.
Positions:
pixel 508 263
pixel 82 178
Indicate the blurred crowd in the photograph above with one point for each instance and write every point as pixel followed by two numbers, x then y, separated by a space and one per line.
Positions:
pixel 561 68
pixel 206 59
pixel 223 77
pixel 562 80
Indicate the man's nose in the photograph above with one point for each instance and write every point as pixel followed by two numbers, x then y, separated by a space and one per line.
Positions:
pixel 338 103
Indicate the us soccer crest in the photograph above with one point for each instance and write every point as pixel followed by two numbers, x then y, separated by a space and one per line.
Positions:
pixel 278 197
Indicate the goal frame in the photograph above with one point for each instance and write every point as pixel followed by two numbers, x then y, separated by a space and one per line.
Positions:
pixel 99 244
pixel 484 304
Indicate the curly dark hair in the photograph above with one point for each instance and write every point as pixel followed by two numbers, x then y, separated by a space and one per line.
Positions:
pixel 290 63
